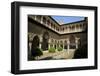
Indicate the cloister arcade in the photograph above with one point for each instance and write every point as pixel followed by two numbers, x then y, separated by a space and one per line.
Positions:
pixel 45 39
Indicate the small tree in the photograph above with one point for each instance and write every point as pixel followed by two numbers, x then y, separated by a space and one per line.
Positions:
pixel 36 52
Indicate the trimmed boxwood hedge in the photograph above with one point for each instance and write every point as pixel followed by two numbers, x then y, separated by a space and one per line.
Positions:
pixel 59 48
pixel 52 50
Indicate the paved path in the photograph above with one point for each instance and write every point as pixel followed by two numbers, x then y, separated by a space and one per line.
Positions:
pixel 66 54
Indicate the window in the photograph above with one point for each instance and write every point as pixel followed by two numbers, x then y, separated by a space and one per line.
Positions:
pixel 54 26
pixel 38 18
pixel 48 22
pixel 65 41
pixel 73 27
pixel 57 29
pixel 63 28
pixel 51 25
pixel 44 20
pixel 52 40
pixel 77 26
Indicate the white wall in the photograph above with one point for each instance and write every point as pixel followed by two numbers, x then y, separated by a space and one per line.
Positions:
pixel 5 41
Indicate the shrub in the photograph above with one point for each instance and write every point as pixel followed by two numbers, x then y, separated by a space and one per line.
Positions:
pixel 51 50
pixel 59 48
pixel 81 52
pixel 36 52
pixel 39 51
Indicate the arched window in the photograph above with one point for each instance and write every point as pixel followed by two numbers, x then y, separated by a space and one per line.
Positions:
pixel 63 28
pixel 53 26
pixel 69 27
pixel 44 20
pixel 48 22
pixel 39 18
pixel 61 42
pixel 73 27
pixel 78 26
pixel 57 29
pixel 52 40
pixel 65 41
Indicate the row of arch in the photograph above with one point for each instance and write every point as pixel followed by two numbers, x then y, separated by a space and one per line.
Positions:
pixel 54 26
pixel 62 41
pixel 45 42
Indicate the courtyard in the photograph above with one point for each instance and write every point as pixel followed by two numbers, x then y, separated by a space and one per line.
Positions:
pixel 65 54
pixel 51 40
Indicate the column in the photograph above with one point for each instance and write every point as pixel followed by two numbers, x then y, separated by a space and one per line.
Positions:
pixel 48 45
pixel 59 44
pixel 76 40
pixel 41 19
pixel 68 43
pixel 53 46
pixel 35 17
pixel 63 46
pixel 40 45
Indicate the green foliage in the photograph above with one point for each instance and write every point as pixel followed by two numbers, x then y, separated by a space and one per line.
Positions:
pixel 36 52
pixel 59 48
pixel 39 52
pixel 52 50
pixel 81 52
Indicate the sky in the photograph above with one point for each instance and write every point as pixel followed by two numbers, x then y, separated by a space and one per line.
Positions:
pixel 67 19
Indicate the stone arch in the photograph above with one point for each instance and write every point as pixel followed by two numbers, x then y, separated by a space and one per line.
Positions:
pixel 65 41
pixel 73 27
pixel 52 41
pixel 61 43
pixel 44 20
pixel 65 44
pixel 79 43
pixel 72 39
pixel 35 42
pixel 45 41
pixel 55 44
pixel 72 42
pixel 39 18
pixel 78 26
